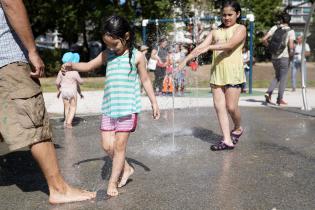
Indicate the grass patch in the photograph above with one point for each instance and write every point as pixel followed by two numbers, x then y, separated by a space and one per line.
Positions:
pixel 90 84
pixel 97 83
pixel 263 73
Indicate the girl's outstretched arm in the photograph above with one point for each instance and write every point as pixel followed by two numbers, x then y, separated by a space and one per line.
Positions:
pixel 200 49
pixel 146 82
pixel 86 66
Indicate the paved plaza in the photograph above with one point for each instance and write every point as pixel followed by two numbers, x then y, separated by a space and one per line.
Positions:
pixel 272 167
pixel 91 104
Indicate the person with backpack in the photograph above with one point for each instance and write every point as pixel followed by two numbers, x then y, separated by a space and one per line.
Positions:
pixel 280 42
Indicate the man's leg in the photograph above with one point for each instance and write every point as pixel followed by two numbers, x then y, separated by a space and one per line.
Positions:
pixel 24 121
pixel 276 79
pixel 284 68
pixel 60 192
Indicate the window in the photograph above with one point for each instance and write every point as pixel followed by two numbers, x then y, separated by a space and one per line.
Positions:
pixel 306 10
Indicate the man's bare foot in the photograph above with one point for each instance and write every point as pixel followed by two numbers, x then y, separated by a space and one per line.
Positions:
pixel 126 174
pixel 112 189
pixel 71 195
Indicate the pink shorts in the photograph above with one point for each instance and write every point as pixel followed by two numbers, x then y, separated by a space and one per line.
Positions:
pixel 122 124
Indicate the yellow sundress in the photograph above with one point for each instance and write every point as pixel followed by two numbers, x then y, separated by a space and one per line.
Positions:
pixel 227 66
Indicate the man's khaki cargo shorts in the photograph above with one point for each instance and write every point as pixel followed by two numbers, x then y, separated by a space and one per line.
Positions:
pixel 23 116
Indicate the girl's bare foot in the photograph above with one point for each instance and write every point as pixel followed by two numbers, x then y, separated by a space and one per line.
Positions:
pixel 126 174
pixel 70 195
pixel 112 189
pixel 68 125
pixel 237 131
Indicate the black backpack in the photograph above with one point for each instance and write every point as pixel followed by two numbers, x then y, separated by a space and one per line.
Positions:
pixel 278 41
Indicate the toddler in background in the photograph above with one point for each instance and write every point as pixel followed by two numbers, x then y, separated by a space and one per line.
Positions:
pixel 68 86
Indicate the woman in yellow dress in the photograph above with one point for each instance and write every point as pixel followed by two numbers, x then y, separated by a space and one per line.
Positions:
pixel 227 71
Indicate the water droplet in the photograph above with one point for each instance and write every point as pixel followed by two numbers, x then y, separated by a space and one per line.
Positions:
pixel 288 174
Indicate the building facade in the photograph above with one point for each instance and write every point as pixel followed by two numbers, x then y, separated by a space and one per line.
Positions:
pixel 299 14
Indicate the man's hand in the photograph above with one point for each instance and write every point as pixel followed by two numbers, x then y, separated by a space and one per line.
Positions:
pixel 37 64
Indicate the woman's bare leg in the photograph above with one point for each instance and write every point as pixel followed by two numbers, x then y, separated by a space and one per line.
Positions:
pixel 232 99
pixel 222 114
pixel 232 96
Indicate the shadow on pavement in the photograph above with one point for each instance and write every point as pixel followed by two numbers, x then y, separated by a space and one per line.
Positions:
pixel 263 102
pixel 106 169
pixel 20 169
pixel 206 135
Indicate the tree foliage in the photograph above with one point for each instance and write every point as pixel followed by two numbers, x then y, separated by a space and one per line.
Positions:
pixel 74 17
pixel 265 12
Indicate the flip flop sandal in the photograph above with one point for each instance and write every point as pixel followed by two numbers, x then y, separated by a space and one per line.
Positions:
pixel 221 146
pixel 235 137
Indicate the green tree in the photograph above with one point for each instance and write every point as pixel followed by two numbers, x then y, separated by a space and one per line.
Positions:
pixel 266 15
pixel 42 15
pixel 265 12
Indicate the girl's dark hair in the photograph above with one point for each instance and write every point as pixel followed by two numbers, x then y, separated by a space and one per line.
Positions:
pixel 117 27
pixel 236 7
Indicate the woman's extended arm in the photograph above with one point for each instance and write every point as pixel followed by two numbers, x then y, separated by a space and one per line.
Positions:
pixel 238 37
pixel 200 49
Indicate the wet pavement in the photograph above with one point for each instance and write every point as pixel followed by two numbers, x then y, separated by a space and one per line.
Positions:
pixel 272 166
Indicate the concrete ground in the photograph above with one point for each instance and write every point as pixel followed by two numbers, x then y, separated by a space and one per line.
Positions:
pixel 272 167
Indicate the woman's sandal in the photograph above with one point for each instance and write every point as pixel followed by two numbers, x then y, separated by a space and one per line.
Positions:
pixel 221 146
pixel 235 137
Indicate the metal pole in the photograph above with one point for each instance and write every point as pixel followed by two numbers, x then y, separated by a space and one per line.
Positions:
pixel 144 30
pixel 251 50
pixel 306 30
pixel 157 31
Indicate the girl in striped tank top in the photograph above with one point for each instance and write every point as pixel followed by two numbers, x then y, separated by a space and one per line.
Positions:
pixel 121 101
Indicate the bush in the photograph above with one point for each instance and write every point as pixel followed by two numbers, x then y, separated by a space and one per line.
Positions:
pixel 52 60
